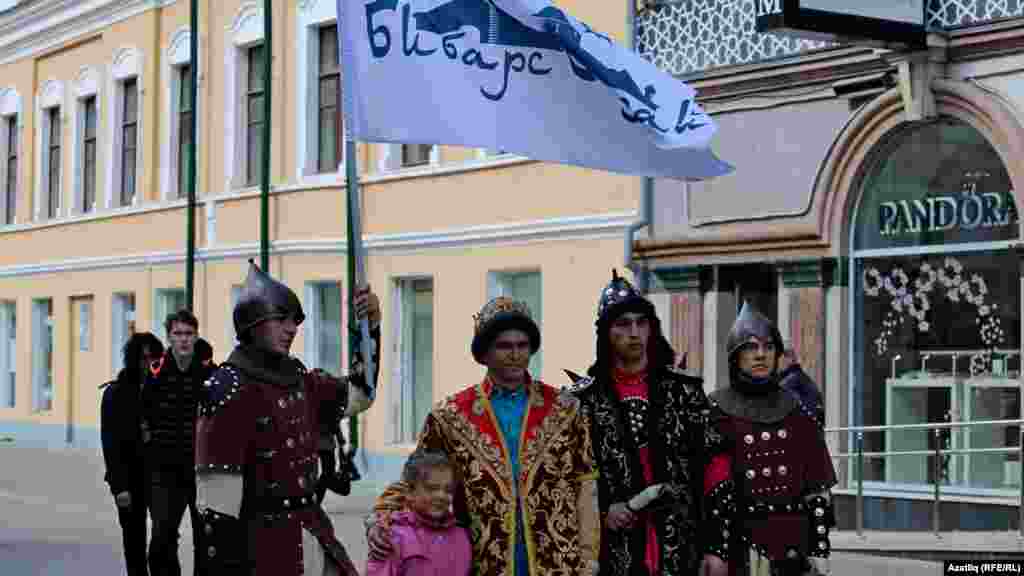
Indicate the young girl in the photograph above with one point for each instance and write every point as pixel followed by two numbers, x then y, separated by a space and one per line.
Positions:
pixel 425 540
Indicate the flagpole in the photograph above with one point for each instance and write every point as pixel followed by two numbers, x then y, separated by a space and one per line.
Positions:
pixel 356 274
pixel 268 49
pixel 190 183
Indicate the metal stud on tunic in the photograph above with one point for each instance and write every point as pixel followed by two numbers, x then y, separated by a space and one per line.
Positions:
pixel 749 439
pixel 783 434
pixel 766 436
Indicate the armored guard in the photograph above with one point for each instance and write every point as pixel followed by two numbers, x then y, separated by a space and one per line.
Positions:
pixel 777 460
pixel 257 439
pixel 649 424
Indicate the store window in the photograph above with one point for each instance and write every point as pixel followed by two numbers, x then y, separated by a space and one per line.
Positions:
pixel 936 308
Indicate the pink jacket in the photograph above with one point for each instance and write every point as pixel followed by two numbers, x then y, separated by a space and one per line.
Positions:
pixel 424 548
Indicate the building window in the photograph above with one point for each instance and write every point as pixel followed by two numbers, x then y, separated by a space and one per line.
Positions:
pixel 416 355
pixel 88 175
pixel 329 118
pixel 416 154
pixel 526 287
pixel 42 355
pixel 129 139
pixel 324 337
pixel 936 308
pixel 8 354
pixel 184 113
pixel 53 162
pixel 122 327
pixel 168 301
pixel 254 95
pixel 10 136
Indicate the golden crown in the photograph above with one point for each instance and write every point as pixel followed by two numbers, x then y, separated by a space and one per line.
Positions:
pixel 499 305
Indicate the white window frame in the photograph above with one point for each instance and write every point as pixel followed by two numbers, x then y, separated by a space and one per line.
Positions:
pixel 161 310
pixel 120 316
pixel 178 55
pixel 313 15
pixel 390 159
pixel 10 106
pixel 8 354
pixel 40 333
pixel 311 346
pixel 496 287
pixel 51 95
pixel 126 65
pixel 86 85
pixel 245 30
pixel 402 363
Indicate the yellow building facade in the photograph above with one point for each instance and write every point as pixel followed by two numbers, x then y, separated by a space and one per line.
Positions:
pixel 94 113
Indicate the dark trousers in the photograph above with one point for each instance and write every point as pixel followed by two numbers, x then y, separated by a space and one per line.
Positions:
pixel 172 488
pixel 133 531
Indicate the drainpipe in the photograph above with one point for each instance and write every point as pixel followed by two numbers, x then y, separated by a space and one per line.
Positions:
pixel 647 192
pixel 646 217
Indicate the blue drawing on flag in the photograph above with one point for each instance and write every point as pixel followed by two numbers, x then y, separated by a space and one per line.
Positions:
pixel 494 25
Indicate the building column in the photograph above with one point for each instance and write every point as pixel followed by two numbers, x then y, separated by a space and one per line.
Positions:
pixel 804 284
pixel 684 322
pixel 837 363
pixel 719 314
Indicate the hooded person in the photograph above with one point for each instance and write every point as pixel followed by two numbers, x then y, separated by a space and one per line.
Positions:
pixel 648 422
pixel 523 453
pixel 257 438
pixel 793 378
pixel 778 465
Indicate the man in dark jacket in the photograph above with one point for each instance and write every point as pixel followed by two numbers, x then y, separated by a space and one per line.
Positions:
pixel 651 440
pixel 170 403
pixel 121 433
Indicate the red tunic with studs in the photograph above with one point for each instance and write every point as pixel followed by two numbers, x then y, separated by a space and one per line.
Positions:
pixel 260 423
pixel 781 468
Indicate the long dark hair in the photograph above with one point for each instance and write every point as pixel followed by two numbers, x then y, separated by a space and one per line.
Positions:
pixel 659 351
pixel 132 353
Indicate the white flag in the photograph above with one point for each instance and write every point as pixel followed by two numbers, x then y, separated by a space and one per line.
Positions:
pixel 519 76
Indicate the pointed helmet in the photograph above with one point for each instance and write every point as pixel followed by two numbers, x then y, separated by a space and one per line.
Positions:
pixel 264 298
pixel 619 297
pixel 751 323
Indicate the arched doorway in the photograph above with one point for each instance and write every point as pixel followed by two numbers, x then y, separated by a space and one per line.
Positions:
pixel 935 305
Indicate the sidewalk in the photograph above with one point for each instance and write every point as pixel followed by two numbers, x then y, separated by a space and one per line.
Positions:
pixel 68 486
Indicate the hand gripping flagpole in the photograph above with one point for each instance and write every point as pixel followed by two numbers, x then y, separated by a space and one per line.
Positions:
pixel 357 272
pixel 357 257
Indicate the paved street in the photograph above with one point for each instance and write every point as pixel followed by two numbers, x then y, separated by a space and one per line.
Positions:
pixel 60 520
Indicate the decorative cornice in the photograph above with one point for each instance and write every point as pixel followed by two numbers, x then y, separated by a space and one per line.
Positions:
pixel 46 24
pixel 815 273
pixel 683 278
pixel 841 272
pixel 815 68
pixel 555 229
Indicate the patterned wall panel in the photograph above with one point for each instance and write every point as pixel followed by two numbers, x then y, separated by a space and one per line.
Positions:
pixel 688 36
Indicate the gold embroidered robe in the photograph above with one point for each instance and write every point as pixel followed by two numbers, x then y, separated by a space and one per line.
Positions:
pixel 557 481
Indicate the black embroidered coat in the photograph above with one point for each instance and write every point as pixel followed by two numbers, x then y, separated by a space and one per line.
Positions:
pixel 681 446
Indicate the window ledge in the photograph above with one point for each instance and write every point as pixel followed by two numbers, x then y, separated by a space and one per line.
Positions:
pixel 95 216
pixel 445 169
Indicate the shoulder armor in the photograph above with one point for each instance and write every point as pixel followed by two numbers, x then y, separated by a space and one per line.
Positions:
pixel 219 389
pixel 577 383
pixel 691 383
pixel 300 366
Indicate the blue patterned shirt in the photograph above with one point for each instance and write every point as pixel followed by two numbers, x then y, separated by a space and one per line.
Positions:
pixel 510 408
